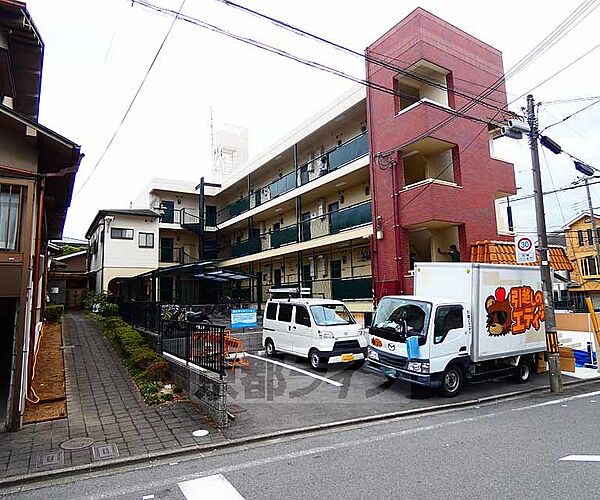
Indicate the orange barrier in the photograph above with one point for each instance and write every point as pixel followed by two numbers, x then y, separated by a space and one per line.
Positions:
pixel 233 347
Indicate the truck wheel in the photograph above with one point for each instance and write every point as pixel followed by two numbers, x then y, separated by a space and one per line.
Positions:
pixel 316 360
pixel 452 381
pixel 523 371
pixel 270 348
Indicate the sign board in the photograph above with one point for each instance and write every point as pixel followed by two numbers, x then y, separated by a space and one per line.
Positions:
pixel 524 249
pixel 243 318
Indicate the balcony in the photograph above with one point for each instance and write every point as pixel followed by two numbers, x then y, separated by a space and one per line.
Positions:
pixel 247 247
pixel 331 161
pixel 352 288
pixel 309 229
pixel 284 236
pixel 177 255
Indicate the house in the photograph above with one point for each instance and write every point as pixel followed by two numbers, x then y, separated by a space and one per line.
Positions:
pixel 582 248
pixel 68 280
pixel 122 244
pixel 338 204
pixel 37 173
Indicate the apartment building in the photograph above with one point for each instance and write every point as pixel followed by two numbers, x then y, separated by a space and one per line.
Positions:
pixel 37 173
pixel 581 249
pixel 339 204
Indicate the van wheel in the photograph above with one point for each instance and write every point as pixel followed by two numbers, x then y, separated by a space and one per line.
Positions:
pixel 316 360
pixel 452 381
pixel 270 348
pixel 523 371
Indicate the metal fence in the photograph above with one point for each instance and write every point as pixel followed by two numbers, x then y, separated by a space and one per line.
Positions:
pixel 202 344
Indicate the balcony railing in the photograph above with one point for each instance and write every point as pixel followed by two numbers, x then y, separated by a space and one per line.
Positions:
pixel 177 255
pixel 309 229
pixel 332 160
pixel 350 288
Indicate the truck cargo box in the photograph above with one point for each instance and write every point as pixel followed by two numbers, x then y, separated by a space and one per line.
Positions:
pixel 507 305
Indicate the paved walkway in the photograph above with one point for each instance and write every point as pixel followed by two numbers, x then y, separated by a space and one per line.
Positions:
pixel 104 404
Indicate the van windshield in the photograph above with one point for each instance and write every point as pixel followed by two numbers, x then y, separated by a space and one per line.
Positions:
pixel 331 315
pixel 397 318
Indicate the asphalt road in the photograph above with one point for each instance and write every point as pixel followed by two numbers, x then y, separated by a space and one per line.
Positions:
pixel 509 449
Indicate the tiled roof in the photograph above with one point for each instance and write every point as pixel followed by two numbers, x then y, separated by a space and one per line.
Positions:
pixel 503 252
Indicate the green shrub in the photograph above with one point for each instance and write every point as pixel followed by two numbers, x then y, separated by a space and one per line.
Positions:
pixel 157 370
pixel 145 365
pixel 54 312
pixel 109 310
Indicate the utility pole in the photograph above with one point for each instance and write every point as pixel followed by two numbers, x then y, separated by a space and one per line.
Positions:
pixel 556 384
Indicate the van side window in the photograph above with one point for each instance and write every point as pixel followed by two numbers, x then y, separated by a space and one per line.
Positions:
pixel 302 316
pixel 272 310
pixel 447 318
pixel 285 312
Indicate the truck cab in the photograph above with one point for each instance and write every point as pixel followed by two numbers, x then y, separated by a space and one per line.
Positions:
pixel 441 334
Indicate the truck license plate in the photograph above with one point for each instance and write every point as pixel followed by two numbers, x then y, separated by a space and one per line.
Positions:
pixel 347 357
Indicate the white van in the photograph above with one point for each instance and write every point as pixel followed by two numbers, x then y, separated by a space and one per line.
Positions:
pixel 322 330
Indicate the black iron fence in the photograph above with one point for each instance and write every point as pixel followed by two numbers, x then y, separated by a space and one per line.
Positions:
pixel 192 339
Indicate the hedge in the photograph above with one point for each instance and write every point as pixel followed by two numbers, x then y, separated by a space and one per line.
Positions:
pixel 140 359
pixel 54 312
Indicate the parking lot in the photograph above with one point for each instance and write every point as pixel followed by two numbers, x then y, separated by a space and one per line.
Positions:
pixel 270 394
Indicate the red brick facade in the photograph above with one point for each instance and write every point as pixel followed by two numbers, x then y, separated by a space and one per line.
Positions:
pixel 469 205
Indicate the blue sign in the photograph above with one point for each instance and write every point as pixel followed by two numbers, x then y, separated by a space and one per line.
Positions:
pixel 243 318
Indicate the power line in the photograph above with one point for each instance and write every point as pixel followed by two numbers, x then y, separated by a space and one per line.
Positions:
pixel 275 50
pixel 571 115
pixel 367 57
pixel 560 190
pixel 112 139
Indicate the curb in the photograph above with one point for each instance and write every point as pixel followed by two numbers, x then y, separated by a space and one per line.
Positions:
pixel 231 443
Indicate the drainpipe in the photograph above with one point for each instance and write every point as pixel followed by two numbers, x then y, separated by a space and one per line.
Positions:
pixel 36 278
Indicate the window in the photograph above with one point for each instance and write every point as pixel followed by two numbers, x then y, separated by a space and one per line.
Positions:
pixel 588 266
pixel 10 216
pixel 302 316
pixel 121 234
pixel 146 240
pixel 285 312
pixel 272 311
pixel 332 315
pixel 590 235
pixel 447 318
pixel 407 95
pixel 580 238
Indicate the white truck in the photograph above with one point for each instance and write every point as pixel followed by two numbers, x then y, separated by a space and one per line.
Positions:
pixel 466 321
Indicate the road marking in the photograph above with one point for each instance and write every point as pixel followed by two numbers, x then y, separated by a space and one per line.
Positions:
pixel 214 487
pixel 299 370
pixel 581 458
pixel 558 401
pixel 147 497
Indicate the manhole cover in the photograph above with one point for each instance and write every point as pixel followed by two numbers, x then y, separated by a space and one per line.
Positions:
pixel 56 458
pixel 77 443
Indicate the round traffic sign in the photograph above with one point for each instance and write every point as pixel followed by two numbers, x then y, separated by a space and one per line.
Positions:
pixel 524 244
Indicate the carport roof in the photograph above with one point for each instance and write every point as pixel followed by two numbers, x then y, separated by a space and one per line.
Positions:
pixel 201 270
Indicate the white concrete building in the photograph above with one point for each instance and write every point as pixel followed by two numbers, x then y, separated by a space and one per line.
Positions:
pixel 122 244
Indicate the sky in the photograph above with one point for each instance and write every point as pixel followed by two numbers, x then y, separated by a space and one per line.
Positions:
pixel 97 53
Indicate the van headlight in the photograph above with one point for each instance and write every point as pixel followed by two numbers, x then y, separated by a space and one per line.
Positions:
pixel 325 335
pixel 418 366
pixel 371 354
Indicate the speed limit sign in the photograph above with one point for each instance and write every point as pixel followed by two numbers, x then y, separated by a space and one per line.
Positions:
pixel 524 249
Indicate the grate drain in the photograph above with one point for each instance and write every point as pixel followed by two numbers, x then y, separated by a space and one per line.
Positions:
pixel 105 451
pixel 55 458
pixel 77 443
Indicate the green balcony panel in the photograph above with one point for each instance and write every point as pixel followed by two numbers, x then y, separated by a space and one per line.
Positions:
pixel 350 217
pixel 247 247
pixel 283 236
pixel 350 151
pixel 352 288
